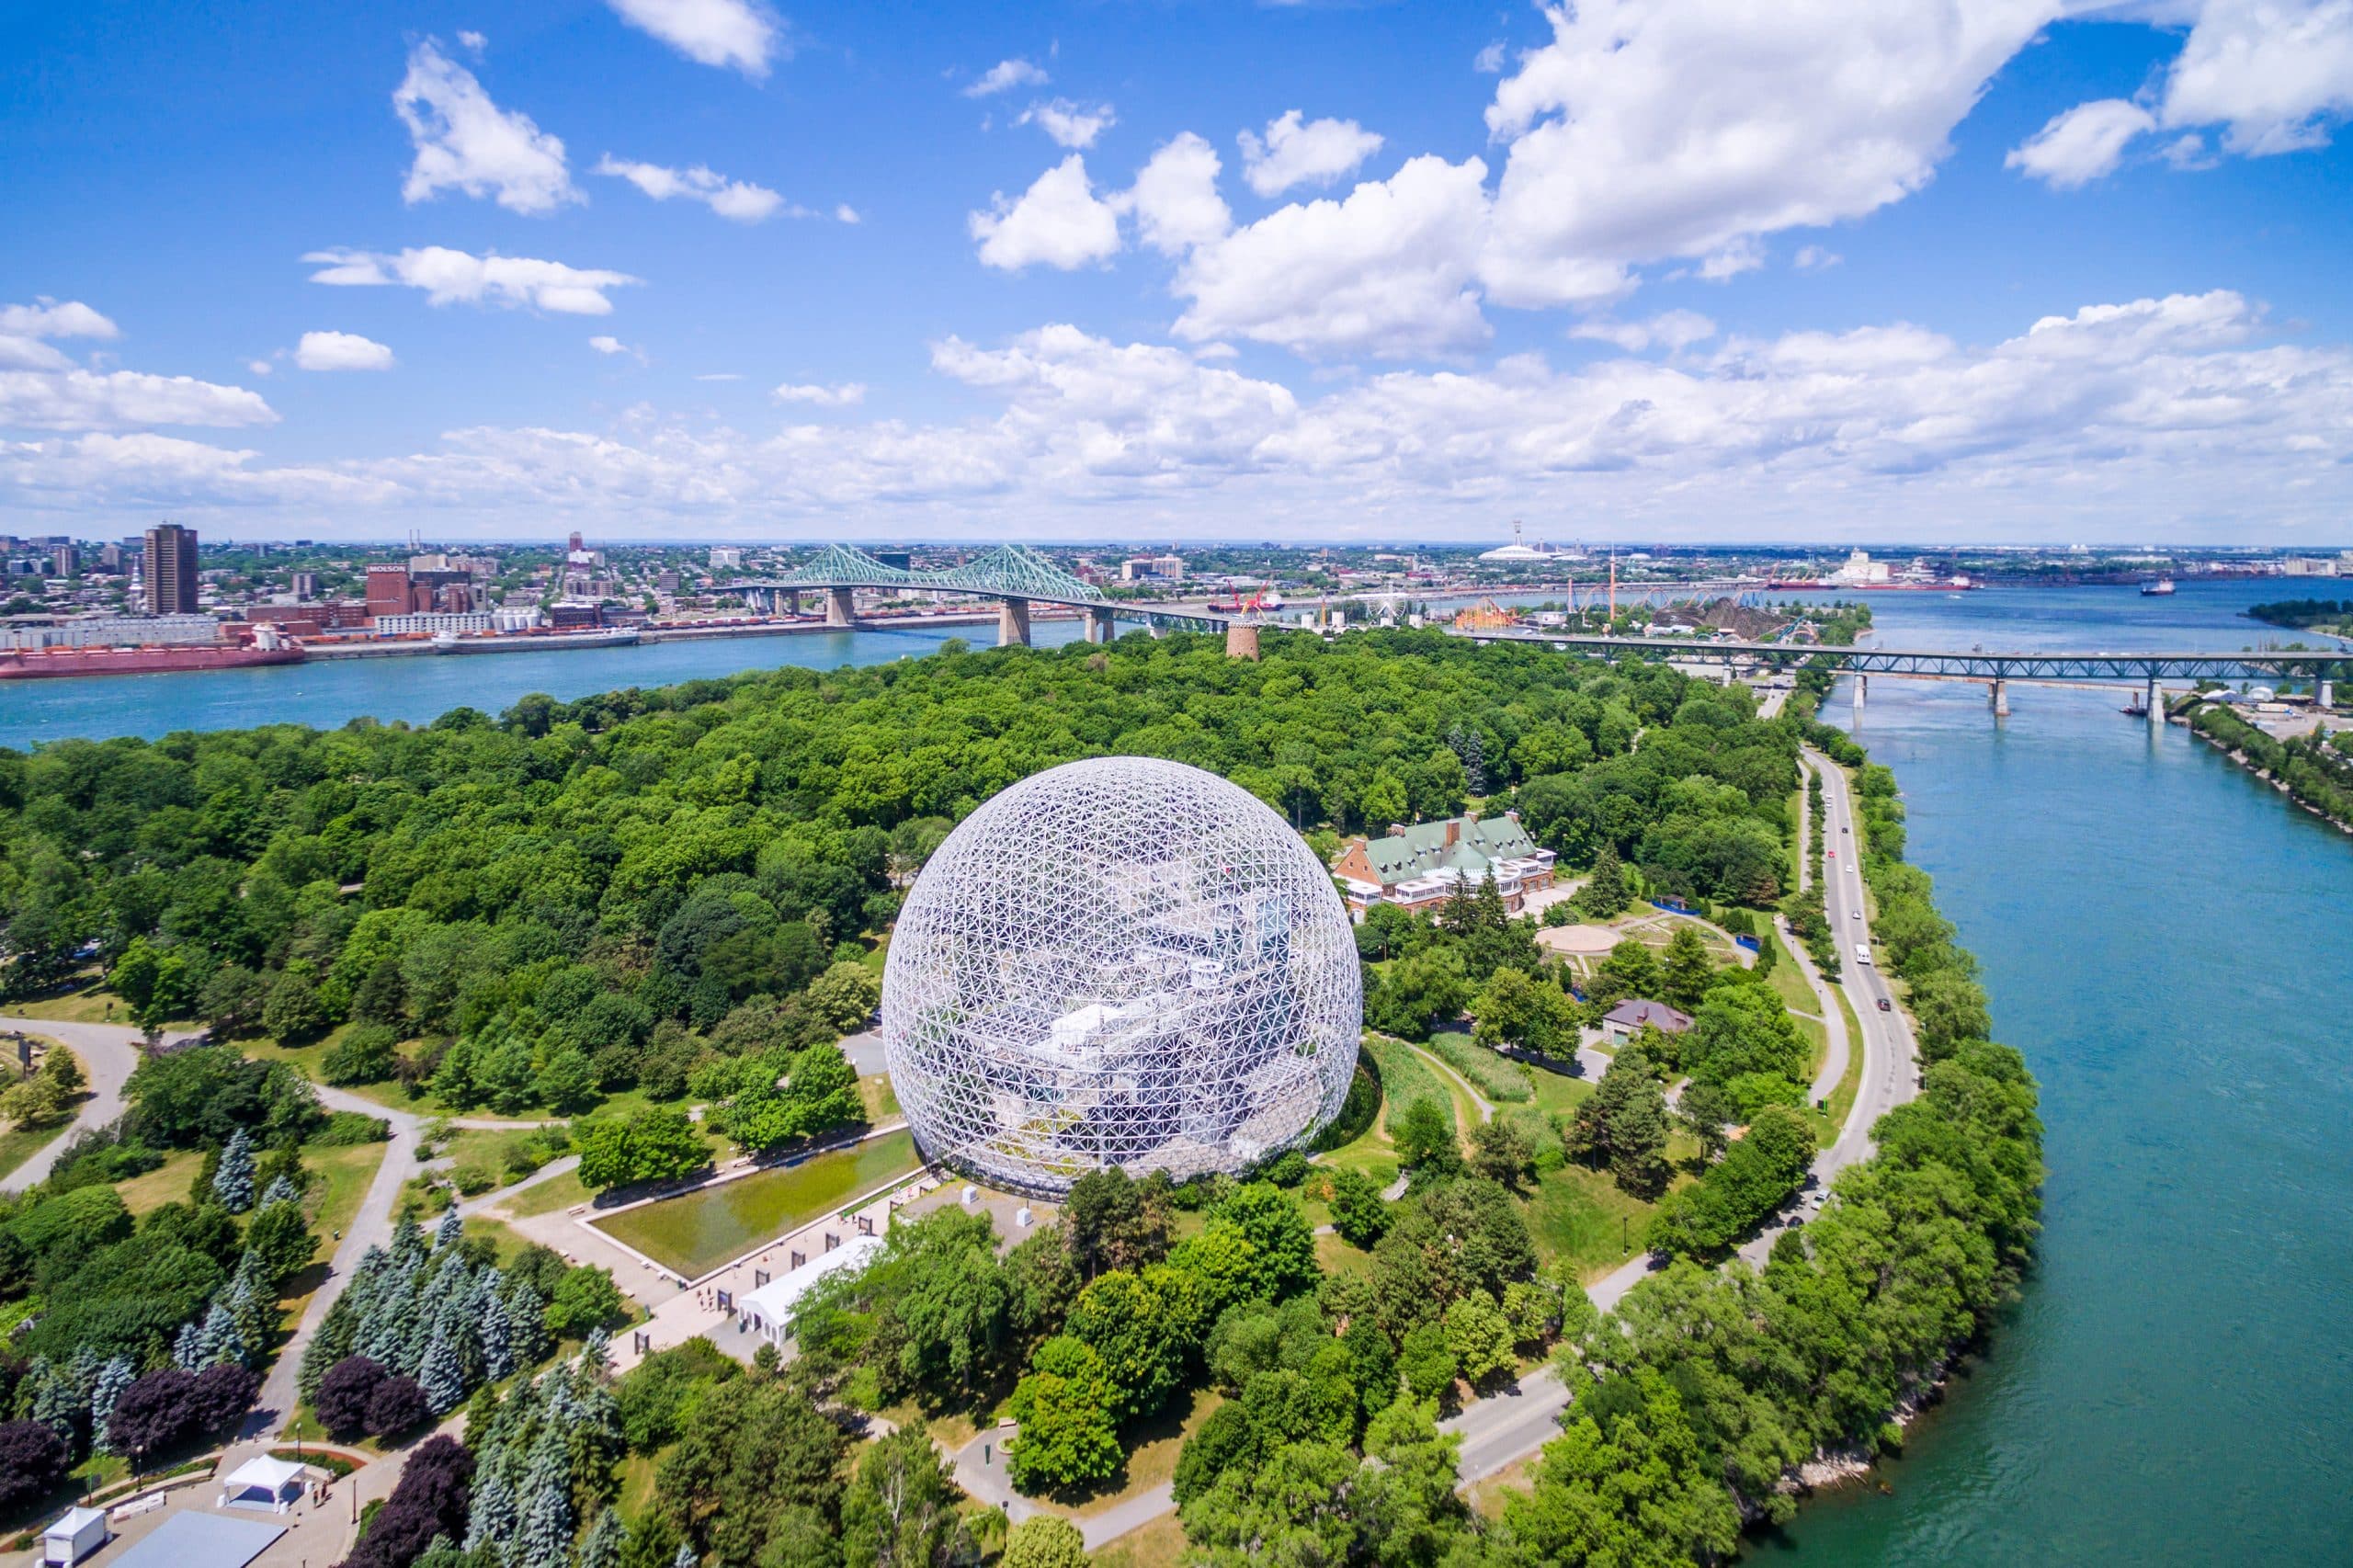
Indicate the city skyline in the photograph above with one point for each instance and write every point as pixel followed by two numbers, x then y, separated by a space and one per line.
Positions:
pixel 1989 273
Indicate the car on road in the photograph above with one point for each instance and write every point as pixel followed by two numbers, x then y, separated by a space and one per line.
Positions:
pixel 1885 1006
pixel 1855 912
pixel 1863 952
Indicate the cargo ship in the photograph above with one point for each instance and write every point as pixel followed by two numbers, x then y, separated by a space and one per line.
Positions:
pixel 2153 590
pixel 29 664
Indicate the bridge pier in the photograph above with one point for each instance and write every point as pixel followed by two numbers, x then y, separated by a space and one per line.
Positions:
pixel 2325 693
pixel 1102 625
pixel 2001 698
pixel 1241 641
pixel 841 607
pixel 2155 701
pixel 1862 691
pixel 1012 623
pixel 792 602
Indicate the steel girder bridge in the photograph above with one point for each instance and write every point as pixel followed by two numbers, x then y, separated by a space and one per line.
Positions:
pixel 2151 671
pixel 1014 576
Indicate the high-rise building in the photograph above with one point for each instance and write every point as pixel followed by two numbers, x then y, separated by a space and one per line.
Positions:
pixel 64 560
pixel 388 590
pixel 171 570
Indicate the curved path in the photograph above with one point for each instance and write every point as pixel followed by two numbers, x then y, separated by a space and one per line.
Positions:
pixel 1503 1428
pixel 107 1053
pixel 1445 1068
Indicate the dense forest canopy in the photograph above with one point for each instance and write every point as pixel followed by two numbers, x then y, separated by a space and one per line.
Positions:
pixel 571 897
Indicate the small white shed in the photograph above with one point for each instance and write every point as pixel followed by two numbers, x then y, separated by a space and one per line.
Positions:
pixel 263 1482
pixel 79 1533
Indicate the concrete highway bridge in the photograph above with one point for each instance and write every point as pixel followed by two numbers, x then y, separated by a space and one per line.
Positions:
pixel 1015 576
pixel 1996 670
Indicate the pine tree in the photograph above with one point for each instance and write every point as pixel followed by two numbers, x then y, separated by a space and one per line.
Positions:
pixel 490 1326
pixel 187 1347
pixel 546 1536
pixel 443 1377
pixel 449 1233
pixel 526 1324
pixel 280 1190
pixel 331 1343
pixel 46 1396
pixel 113 1378
pixel 603 1547
pixel 492 1520
pixel 219 1339
pixel 686 1558
pixel 232 1184
pixel 408 1241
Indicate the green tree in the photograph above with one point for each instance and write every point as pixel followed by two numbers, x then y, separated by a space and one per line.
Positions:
pixel 1500 1151
pixel 1357 1212
pixel 1622 1125
pixel 846 995
pixel 899 1510
pixel 1133 1327
pixel 1705 1112
pixel 1513 1009
pixel 1043 1541
pixel 1424 1135
pixel 1065 1407
pixel 294 1012
pixel 1480 1336
pixel 1687 970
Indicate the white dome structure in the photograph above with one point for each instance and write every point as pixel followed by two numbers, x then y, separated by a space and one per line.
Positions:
pixel 1119 962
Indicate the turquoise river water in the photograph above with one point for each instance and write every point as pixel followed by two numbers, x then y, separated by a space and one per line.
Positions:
pixel 2163 937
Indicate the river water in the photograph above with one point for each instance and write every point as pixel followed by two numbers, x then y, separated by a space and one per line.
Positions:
pixel 328 693
pixel 2165 939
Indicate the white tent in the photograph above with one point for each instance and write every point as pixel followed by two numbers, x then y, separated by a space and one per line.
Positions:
pixel 263 1482
pixel 768 1310
pixel 79 1533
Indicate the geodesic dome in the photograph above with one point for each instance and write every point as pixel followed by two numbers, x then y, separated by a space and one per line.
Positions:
pixel 1119 962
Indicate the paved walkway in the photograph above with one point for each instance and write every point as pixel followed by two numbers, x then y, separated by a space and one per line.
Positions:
pixel 107 1059
pixel 1445 1070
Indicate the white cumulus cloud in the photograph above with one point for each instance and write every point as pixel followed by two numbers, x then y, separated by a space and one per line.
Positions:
pixel 1672 330
pixel 1070 124
pixel 2276 73
pixel 76 399
pixel 2083 144
pixel 1812 112
pixel 466 142
pixel 47 318
pixel 456 277
pixel 341 351
pixel 1295 150
pixel 738 200
pixel 1059 221
pixel 846 394
pixel 1175 199
pixel 737 34
pixel 1386 272
pixel 1005 75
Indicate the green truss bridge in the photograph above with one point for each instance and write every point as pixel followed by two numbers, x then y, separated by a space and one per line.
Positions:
pixel 1013 574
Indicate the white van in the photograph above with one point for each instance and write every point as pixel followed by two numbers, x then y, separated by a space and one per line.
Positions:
pixel 1863 952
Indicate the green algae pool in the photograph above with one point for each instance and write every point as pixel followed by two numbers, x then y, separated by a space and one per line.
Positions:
pixel 694 1233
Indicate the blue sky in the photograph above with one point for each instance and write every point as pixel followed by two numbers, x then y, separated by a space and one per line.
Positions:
pixel 1116 272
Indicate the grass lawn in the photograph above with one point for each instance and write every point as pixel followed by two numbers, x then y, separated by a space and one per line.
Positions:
pixel 1486 1498
pixel 91 1003
pixel 881 1104
pixel 1842 1098
pixel 1405 1078
pixel 1557 1093
pixel 23 1144
pixel 546 1198
pixel 1370 1151
pixel 168 1182
pixel 1578 1214
pixel 1335 1256
pixel 1466 1108
pixel 696 1232
pixel 1151 1458
pixel 1155 1545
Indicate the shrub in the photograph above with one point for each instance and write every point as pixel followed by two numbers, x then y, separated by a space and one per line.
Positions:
pixel 367 1053
pixel 221 1395
pixel 153 1414
pixel 32 1461
pixel 343 1395
pixel 346 1129
pixel 397 1404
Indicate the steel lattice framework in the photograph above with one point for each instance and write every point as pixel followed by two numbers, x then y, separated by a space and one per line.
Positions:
pixel 1006 572
pixel 2216 665
pixel 1120 962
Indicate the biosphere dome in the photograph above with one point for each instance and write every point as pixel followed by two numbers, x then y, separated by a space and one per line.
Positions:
pixel 1119 962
